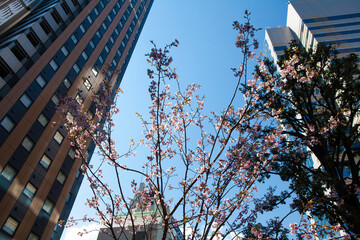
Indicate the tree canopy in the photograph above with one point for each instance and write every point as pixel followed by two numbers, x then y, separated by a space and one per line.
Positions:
pixel 314 95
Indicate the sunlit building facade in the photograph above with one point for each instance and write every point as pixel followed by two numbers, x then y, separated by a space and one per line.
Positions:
pixel 49 49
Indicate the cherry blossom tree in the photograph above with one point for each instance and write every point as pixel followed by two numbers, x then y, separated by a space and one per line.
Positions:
pixel 315 97
pixel 203 167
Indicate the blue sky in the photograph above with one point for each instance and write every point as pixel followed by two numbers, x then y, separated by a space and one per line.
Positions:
pixel 205 55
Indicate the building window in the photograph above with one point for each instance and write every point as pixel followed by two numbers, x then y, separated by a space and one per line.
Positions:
pixel 82 28
pixel 75 2
pixel 18 51
pixel 25 100
pixel 7 123
pixel 107 49
pixel 33 236
pixel 112 40
pixel 92 44
pixel 33 38
pixel 58 137
pixel 45 161
pixel 45 26
pixel 55 99
pixel 64 51
pixel 41 81
pixel 27 143
pixel 71 153
pixel 67 83
pixel 68 198
pixel 74 39
pixel 85 56
pixel 90 114
pixel 96 11
pixel 95 72
pixel 113 10
pixel 79 99
pixel 89 19
pixel 114 62
pixel 61 177
pixel 53 65
pixel 102 4
pixel 43 120
pixel 76 68
pixel 48 206
pixel 101 59
pixel 30 190
pixel 104 26
pixel 56 16
pixel 87 84
pixel 109 18
pixel 78 174
pixel 10 226
pixel 117 32
pixel 8 172
pixel 98 34
pixel 65 7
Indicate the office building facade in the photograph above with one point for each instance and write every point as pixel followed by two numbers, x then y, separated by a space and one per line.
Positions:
pixel 313 21
pixel 49 49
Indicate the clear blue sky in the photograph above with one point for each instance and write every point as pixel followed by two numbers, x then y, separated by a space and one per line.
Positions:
pixel 205 55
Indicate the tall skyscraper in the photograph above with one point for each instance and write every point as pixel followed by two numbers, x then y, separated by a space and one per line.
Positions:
pixel 49 49
pixel 313 21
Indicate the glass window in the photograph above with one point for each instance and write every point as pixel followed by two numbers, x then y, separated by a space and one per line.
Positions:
pixel 85 56
pixel 58 137
pixel 7 123
pixel 78 174
pixel 112 40
pixel 55 99
pixel 82 28
pixel 71 153
pixel 43 120
pixel 104 26
pixel 68 198
pixel 109 18
pixel 102 4
pixel 48 206
pixel 29 190
pixel 90 114
pixel 45 161
pixel 118 52
pixel 106 49
pixel 74 39
pixel 96 11
pixel 64 51
pixel 53 65
pixel 113 10
pixel 27 143
pixel 116 31
pixel 76 68
pixel 98 34
pixel 87 84
pixel 25 100
pixel 79 99
pixel 114 62
pixel 67 83
pixel 95 72
pixel 41 81
pixel 61 177
pixel 33 236
pixel 92 44
pixel 10 226
pixel 101 59
pixel 89 19
pixel 8 172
